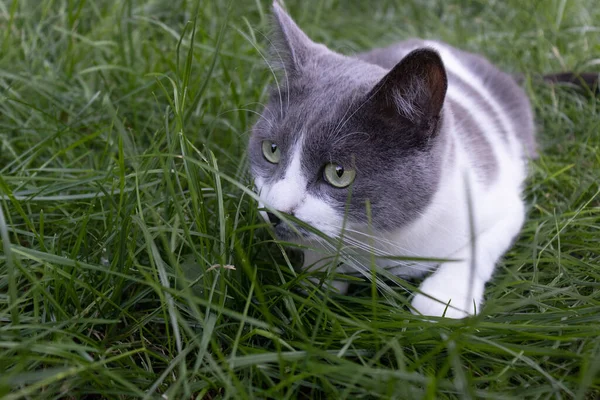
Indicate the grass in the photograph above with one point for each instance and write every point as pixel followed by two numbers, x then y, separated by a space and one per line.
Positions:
pixel 133 261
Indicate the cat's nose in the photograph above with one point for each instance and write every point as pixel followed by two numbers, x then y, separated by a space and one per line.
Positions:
pixel 273 218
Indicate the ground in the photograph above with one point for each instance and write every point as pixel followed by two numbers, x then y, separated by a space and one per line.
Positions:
pixel 134 263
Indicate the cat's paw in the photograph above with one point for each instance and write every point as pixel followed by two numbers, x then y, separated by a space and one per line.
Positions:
pixel 441 307
pixel 447 301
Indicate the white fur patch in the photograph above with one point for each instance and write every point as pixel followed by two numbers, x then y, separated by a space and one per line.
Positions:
pixel 321 215
pixel 286 194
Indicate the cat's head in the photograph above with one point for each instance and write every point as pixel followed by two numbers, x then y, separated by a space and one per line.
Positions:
pixel 342 142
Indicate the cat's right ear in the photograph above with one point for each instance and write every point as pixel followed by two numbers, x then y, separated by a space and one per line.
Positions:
pixel 291 48
pixel 415 89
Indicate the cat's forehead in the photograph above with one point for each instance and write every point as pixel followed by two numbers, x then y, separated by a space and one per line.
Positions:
pixel 323 96
pixel 333 78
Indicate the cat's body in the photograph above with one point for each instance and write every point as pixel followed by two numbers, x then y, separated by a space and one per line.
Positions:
pixel 434 147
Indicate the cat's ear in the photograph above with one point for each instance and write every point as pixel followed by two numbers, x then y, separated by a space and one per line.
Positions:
pixel 291 48
pixel 415 89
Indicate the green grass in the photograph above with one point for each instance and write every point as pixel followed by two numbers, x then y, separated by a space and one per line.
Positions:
pixel 122 181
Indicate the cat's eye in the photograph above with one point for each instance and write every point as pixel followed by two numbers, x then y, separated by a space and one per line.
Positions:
pixel 271 151
pixel 339 176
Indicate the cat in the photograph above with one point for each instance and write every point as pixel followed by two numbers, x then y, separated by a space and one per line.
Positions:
pixel 418 150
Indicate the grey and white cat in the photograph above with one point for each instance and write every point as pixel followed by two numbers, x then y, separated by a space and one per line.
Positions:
pixel 419 150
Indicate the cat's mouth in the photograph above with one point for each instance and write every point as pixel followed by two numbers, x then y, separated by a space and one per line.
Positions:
pixel 285 231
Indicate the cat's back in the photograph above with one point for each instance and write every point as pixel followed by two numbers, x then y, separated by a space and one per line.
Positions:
pixel 472 79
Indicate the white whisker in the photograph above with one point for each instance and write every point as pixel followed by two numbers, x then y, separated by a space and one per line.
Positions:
pixel 266 60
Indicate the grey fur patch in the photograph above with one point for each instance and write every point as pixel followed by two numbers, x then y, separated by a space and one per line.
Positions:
pixel 483 104
pixel 510 95
pixel 482 154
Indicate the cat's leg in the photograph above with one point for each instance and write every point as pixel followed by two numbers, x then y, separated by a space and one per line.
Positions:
pixel 456 289
pixel 317 261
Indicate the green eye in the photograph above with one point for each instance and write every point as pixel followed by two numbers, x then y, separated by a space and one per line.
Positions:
pixel 271 151
pixel 338 176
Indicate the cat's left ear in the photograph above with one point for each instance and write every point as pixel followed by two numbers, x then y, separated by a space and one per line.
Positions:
pixel 291 47
pixel 415 89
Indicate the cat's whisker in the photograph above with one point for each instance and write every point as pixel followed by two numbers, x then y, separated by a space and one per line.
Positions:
pixel 345 121
pixel 347 136
pixel 285 74
pixel 382 240
pixel 271 68
pixel 343 118
pixel 352 243
pixel 408 264
pixel 264 107
pixel 260 115
pixel 347 240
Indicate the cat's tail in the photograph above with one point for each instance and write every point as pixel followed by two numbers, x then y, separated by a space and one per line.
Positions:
pixel 588 81
pixel 585 80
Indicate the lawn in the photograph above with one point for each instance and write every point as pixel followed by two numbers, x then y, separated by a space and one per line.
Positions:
pixel 134 264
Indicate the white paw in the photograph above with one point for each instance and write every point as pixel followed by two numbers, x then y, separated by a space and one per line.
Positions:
pixel 454 296
pixel 436 307
pixel 448 301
